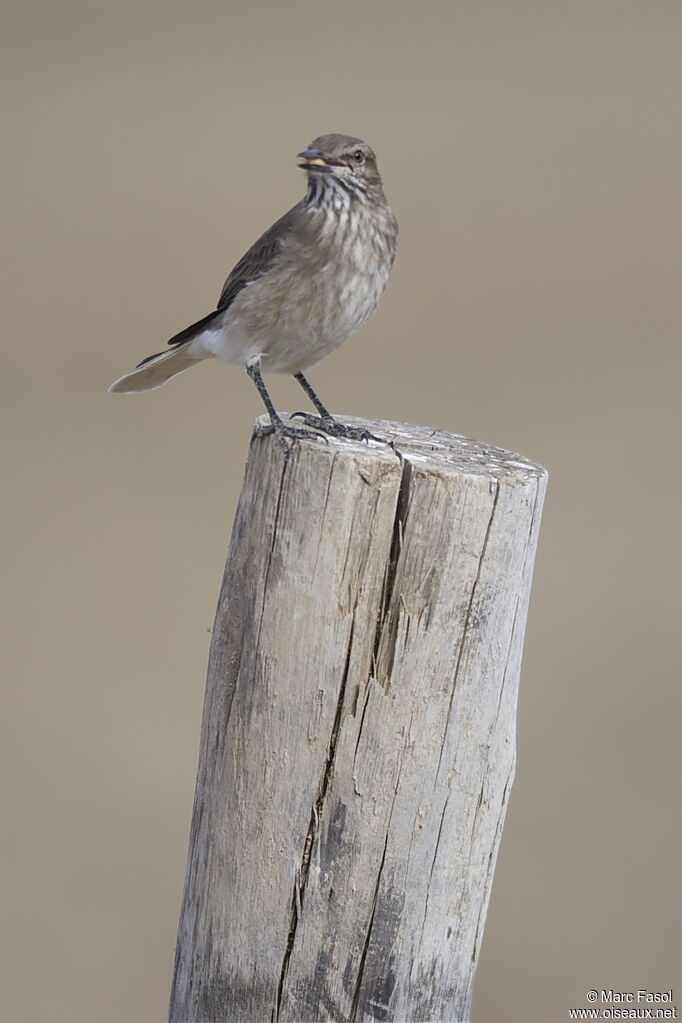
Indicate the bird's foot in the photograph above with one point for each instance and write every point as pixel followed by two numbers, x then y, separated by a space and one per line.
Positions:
pixel 332 427
pixel 282 432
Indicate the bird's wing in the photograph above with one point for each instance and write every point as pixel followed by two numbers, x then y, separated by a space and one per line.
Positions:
pixel 256 262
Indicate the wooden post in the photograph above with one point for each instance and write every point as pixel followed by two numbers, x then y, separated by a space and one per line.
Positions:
pixel 357 747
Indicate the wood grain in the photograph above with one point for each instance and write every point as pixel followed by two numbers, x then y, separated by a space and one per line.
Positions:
pixel 357 746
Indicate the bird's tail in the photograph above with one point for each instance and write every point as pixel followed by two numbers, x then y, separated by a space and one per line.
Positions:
pixel 155 370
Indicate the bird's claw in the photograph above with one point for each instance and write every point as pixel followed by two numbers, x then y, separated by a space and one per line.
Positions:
pixel 282 431
pixel 334 428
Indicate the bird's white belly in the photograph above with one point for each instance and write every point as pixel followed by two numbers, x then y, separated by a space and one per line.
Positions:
pixel 293 323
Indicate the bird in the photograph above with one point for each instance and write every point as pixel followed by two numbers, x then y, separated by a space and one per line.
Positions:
pixel 307 285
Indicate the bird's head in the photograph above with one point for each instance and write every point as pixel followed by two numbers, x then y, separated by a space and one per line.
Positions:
pixel 341 159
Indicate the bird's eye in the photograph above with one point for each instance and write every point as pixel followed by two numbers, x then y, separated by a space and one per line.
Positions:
pixel 358 155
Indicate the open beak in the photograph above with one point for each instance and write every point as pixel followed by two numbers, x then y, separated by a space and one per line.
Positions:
pixel 312 159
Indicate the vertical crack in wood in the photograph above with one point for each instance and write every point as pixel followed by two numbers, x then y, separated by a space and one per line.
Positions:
pixel 361 969
pixel 472 836
pixel 362 722
pixel 433 865
pixel 512 637
pixel 303 871
pixel 401 513
pixel 491 864
pixel 465 625
pixel 275 521
pixel 324 511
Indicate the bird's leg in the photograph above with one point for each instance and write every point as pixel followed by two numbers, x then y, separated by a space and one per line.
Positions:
pixel 277 427
pixel 324 412
pixel 325 421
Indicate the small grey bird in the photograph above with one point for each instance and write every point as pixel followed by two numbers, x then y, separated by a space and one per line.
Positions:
pixel 306 286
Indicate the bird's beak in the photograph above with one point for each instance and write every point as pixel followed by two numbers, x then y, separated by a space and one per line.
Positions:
pixel 313 159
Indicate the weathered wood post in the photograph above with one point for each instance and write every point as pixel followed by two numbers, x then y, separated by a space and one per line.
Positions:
pixel 357 746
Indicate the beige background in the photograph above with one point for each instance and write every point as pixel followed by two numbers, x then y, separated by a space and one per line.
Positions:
pixel 532 151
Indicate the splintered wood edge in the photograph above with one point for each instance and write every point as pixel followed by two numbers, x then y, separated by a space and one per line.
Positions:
pixel 432 448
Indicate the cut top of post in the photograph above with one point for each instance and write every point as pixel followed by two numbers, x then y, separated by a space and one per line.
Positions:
pixel 435 448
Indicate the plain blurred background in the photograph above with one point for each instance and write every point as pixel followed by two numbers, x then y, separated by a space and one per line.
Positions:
pixel 532 151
